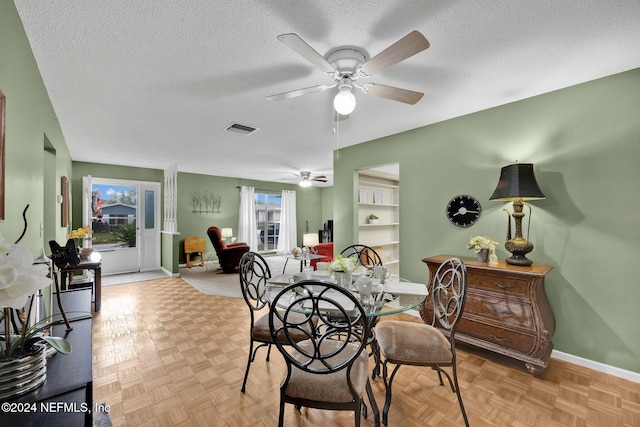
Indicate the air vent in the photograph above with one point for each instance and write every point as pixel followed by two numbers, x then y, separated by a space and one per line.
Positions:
pixel 242 129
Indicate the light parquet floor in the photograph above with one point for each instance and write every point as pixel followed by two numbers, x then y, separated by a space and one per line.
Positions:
pixel 165 354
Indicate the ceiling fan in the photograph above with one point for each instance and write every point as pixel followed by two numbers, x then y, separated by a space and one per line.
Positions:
pixel 348 64
pixel 305 179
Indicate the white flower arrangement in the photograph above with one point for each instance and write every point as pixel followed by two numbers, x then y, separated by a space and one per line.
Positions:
pixel 340 263
pixel 19 279
pixel 479 243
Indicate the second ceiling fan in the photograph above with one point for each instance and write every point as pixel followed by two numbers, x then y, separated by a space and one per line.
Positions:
pixel 348 64
pixel 305 179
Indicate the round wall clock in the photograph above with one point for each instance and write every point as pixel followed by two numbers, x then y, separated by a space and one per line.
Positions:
pixel 463 210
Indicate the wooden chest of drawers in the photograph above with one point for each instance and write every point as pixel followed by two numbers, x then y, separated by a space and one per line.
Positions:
pixel 507 310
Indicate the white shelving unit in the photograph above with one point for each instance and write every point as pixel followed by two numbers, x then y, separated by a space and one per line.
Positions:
pixel 378 194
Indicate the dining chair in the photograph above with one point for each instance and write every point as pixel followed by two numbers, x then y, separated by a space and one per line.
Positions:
pixel 254 276
pixel 409 343
pixel 366 256
pixel 328 370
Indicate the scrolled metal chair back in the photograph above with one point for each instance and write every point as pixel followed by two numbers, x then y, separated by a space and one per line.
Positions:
pixel 448 293
pixel 340 335
pixel 254 274
pixel 366 256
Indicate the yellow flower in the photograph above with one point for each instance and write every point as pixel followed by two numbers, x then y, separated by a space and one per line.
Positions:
pixel 79 233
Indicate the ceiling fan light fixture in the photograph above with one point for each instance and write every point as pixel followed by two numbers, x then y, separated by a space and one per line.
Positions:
pixel 305 183
pixel 344 101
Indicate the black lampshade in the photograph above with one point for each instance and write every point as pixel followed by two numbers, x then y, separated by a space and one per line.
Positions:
pixel 517 181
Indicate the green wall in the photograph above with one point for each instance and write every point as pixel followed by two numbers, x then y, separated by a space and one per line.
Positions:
pixel 309 205
pixel 36 152
pixel 584 142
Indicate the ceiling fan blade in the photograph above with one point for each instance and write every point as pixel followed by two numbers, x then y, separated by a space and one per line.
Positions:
pixel 298 92
pixel 394 93
pixel 404 48
pixel 319 179
pixel 296 43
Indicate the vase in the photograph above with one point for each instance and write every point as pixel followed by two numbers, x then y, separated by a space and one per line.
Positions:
pixel 483 255
pixel 20 376
pixel 343 279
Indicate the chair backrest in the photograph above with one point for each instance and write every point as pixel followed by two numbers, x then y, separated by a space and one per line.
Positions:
pixel 448 293
pixel 254 274
pixel 340 335
pixel 64 256
pixel 367 257
pixel 215 235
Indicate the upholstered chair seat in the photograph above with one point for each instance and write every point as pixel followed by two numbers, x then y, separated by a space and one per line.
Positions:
pixel 413 343
pixel 262 333
pixel 331 387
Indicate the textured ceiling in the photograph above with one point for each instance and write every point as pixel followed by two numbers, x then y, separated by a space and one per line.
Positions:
pixel 155 83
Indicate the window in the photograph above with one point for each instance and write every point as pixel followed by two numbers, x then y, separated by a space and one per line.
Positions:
pixel 113 215
pixel 268 220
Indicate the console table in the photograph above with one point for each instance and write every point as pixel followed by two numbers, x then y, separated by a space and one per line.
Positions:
pixel 69 383
pixel 506 311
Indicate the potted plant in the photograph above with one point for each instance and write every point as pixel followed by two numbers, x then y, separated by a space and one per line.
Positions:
pixel 482 246
pixel 373 219
pixel 23 348
pixel 341 268
pixel 81 235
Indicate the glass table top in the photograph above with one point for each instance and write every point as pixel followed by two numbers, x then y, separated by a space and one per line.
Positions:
pixel 396 297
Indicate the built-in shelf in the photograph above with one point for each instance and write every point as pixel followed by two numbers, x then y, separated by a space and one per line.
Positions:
pixel 378 194
pixel 374 185
pixel 393 243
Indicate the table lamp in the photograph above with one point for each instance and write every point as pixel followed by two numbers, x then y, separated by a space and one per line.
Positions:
pixel 517 183
pixel 310 240
pixel 226 232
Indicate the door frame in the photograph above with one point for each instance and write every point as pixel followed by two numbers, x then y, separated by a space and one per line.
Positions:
pixel 146 255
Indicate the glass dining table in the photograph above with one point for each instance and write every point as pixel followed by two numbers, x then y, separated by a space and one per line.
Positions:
pixel 395 297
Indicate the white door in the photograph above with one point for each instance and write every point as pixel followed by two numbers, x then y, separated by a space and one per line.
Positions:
pixel 124 216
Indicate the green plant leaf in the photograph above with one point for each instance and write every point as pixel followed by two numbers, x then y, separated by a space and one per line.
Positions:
pixel 62 345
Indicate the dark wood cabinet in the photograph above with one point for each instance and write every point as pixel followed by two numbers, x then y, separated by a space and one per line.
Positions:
pixel 507 310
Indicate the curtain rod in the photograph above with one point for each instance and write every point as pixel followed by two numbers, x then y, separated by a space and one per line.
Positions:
pixel 262 189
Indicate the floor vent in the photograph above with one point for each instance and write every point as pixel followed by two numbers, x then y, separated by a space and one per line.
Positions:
pixel 242 129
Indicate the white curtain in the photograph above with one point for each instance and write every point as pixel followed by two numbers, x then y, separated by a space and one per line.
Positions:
pixel 288 224
pixel 247 229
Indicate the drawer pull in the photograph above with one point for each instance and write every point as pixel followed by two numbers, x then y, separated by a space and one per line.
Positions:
pixel 498 339
pixel 501 286
pixel 501 312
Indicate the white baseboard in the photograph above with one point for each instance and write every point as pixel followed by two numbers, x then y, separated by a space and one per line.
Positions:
pixel 168 273
pixel 580 361
pixel 597 366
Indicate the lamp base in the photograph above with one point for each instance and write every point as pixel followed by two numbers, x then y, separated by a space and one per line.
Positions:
pixel 518 260
pixel 519 248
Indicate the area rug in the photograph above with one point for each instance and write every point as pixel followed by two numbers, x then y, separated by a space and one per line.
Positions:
pixel 211 281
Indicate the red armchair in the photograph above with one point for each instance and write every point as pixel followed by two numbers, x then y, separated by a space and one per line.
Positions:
pixel 228 255
pixel 325 249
